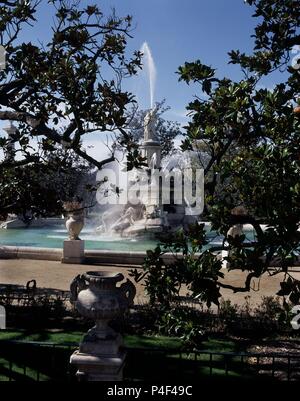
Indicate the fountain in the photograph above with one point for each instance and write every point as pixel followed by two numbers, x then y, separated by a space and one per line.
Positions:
pixel 154 213
pixel 147 216
pixel 150 69
pixel 159 208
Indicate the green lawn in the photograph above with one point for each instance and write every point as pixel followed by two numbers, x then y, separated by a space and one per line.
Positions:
pixel 154 357
pixel 66 337
pixel 132 341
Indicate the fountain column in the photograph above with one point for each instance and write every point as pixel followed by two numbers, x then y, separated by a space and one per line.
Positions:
pixel 9 149
pixel 154 220
pixel 151 145
pixel 152 152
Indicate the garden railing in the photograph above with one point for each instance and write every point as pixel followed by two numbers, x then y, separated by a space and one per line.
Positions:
pixel 43 361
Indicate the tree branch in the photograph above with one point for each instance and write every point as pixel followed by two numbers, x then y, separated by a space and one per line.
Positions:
pixel 247 287
pixel 17 163
pixel 90 159
pixel 20 116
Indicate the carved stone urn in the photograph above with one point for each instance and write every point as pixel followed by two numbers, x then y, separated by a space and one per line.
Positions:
pixel 237 229
pixel 96 296
pixel 74 224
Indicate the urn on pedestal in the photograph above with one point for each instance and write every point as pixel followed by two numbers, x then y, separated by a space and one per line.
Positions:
pixel 73 249
pixel 96 296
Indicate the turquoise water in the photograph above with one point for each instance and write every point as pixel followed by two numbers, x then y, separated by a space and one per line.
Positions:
pixel 53 237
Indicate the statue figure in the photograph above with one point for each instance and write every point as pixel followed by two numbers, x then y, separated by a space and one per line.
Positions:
pixel 149 124
pixel 125 221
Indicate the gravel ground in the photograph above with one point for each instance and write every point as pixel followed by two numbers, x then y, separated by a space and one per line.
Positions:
pixel 53 274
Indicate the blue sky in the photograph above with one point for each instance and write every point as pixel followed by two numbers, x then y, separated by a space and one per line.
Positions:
pixel 179 31
pixel 176 31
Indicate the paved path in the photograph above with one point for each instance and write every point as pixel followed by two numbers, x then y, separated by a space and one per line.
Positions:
pixel 52 274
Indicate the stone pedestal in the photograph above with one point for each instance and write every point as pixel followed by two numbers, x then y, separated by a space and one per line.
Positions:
pixel 73 251
pixel 150 148
pixel 93 367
